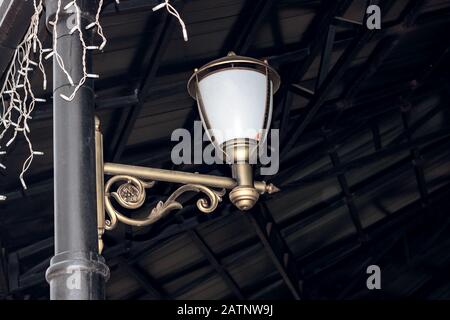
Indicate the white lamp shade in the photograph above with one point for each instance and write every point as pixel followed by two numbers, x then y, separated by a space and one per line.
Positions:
pixel 233 104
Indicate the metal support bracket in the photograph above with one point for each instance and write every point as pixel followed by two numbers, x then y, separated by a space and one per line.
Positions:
pixel 133 181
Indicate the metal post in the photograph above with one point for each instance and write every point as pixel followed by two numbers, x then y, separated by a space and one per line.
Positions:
pixel 77 271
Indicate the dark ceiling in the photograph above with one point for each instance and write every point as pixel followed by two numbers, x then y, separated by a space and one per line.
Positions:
pixel 365 154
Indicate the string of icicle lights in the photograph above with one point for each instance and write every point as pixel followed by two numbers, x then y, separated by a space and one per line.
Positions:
pixel 16 93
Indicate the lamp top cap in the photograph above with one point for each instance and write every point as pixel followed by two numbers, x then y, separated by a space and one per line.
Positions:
pixel 231 60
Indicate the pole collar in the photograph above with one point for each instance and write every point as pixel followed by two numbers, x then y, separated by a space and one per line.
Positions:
pixel 69 262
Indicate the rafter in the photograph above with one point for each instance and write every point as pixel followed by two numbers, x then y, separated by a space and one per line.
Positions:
pixel 277 249
pixel 154 54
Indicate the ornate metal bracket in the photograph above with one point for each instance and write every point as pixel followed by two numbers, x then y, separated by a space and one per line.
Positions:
pixel 133 181
pixel 131 194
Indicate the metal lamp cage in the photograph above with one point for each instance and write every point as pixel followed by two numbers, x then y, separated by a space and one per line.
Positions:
pixel 233 61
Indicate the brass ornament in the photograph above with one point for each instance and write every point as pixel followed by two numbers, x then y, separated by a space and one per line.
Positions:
pixel 244 198
pixel 131 194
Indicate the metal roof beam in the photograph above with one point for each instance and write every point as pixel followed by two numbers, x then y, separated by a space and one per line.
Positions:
pixel 313 39
pixel 348 195
pixel 321 95
pixel 389 149
pixel 128 117
pixel 244 32
pixel 144 279
pixel 417 161
pixel 277 249
pixel 311 214
pixel 438 137
pixel 215 263
pixel 3 275
pixel 144 247
pixel 337 73
pixel 401 221
pixel 12 28
pixel 325 59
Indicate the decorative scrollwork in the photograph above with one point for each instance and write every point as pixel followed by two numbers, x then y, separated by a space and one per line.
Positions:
pixel 131 195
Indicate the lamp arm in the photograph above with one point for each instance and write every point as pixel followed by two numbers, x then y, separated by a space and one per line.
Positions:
pixel 181 177
pixel 131 194
pixel 133 181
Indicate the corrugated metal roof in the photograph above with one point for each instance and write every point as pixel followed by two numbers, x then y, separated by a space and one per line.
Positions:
pixel 379 163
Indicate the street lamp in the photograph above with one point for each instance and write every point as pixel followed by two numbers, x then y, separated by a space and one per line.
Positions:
pixel 234 96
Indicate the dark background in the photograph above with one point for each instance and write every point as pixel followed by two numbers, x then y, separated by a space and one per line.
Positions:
pixel 365 158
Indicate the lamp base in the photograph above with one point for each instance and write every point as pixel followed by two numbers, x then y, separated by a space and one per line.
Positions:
pixel 243 197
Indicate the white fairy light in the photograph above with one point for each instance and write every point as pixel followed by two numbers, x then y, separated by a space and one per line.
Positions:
pixel 175 13
pixel 16 95
pixel 77 29
pixel 55 53
pixel 97 24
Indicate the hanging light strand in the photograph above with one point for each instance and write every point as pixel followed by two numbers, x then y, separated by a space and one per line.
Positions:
pixel 171 9
pixel 77 28
pixel 54 53
pixel 97 24
pixel 16 95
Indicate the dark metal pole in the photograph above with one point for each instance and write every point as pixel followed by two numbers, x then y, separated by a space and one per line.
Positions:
pixel 77 271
